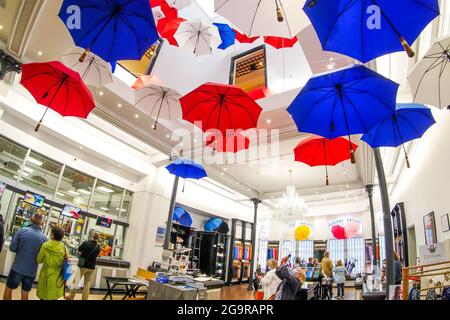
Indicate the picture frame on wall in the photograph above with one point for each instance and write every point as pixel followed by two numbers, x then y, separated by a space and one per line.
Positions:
pixel 429 225
pixel 445 223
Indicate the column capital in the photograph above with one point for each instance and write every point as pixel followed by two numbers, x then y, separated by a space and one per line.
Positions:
pixel 8 64
pixel 369 188
pixel 255 201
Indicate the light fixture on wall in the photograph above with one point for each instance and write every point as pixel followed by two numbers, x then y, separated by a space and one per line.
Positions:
pixel 291 207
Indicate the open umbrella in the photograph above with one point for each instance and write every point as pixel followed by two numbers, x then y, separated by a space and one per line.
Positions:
pixel 281 18
pixel 227 35
pixel 430 77
pixel 186 169
pixel 182 216
pixel 368 29
pixel 409 122
pixel 167 27
pixel 216 225
pixel 198 38
pixel 158 102
pixel 146 80
pixel 57 87
pixel 222 107
pixel 338 232
pixel 323 152
pixel 112 29
pixel 242 38
pixel 228 143
pixel 179 4
pixel 93 70
pixel 349 101
pixel 280 43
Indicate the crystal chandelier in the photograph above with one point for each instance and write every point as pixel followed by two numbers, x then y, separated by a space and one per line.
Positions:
pixel 291 206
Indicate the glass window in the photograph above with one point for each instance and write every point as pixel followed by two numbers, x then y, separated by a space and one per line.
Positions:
pixel 106 199
pixel 305 249
pixel 288 248
pixel 75 188
pixel 126 205
pixel 249 70
pixel 41 174
pixel 142 67
pixel 356 253
pixel 444 29
pixel 118 241
pixel 11 157
pixel 262 254
pixel 336 248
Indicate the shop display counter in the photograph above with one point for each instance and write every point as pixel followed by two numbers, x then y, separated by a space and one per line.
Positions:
pixel 166 291
pixel 308 291
pixel 373 291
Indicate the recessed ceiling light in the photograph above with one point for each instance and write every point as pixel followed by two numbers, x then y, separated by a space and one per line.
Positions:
pixel 100 93
pixel 195 140
pixel 237 182
pixel 136 116
pixel 167 136
pixel 81 147
pixel 34 161
pixel 222 173
pixel 104 189
pixel 225 169
pixel 40 53
pixel 268 121
pixel 84 191
pixel 28 169
pixel 72 192
pixel 119 105
pixel 347 186
pixel 104 209
pixel 344 172
pixel 1 27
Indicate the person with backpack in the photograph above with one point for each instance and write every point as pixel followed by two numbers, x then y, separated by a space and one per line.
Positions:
pixel 339 274
pixel 52 255
pixel 89 251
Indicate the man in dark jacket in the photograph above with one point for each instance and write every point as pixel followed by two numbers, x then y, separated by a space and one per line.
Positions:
pixel 289 285
pixel 89 251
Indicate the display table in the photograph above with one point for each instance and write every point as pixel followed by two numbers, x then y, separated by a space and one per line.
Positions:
pixel 160 291
pixel 373 291
pixel 128 287
pixel 308 291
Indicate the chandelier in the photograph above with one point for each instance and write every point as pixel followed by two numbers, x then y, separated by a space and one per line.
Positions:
pixel 291 206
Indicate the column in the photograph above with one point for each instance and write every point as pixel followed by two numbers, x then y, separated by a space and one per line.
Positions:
pixel 8 64
pixel 389 239
pixel 369 190
pixel 256 202
pixel 170 214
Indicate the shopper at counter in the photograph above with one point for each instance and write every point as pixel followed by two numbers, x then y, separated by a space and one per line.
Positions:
pixel 89 251
pixel 2 232
pixel 26 245
pixel 52 256
pixel 270 281
pixel 339 274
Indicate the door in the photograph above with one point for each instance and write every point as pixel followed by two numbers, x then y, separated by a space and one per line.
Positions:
pixel 412 248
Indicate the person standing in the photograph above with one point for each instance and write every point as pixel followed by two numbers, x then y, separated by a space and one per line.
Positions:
pixel 327 270
pixel 339 277
pixel 290 283
pixel 89 251
pixel 26 245
pixel 270 281
pixel 397 269
pixel 52 256
pixel 310 263
pixel 2 232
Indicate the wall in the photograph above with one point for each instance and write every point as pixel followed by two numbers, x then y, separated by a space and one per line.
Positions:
pixel 424 187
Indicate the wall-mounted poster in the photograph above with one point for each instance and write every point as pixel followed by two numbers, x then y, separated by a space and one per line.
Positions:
pixel 2 188
pixel 445 223
pixel 434 253
pixel 160 236
pixel 429 225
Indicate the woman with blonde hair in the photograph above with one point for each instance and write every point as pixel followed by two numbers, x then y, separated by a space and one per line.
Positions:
pixel 270 281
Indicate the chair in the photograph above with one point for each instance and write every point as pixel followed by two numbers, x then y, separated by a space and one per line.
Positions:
pixel 143 275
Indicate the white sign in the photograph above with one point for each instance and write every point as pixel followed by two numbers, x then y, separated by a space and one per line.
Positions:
pixel 433 253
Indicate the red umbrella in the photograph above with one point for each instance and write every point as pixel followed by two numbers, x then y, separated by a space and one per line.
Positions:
pixel 57 87
pixel 338 232
pixel 323 152
pixel 242 38
pixel 280 43
pixel 220 106
pixel 167 27
pixel 228 143
pixel 156 3
pixel 168 11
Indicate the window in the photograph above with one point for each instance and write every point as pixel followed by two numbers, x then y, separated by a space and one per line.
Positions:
pixel 75 188
pixel 106 199
pixel 444 27
pixel 262 254
pixel 144 66
pixel 336 248
pixel 288 248
pixel 382 247
pixel 126 205
pixel 356 253
pixel 425 40
pixel 248 70
pixel 305 249
pixel 11 157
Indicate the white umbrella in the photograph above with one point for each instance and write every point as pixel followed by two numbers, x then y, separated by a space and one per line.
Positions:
pixel 430 77
pixel 158 102
pixel 198 38
pixel 278 18
pixel 93 70
pixel 179 4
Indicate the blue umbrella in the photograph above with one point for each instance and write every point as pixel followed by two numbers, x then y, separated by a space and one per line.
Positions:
pixel 181 216
pixel 367 29
pixel 187 169
pixel 213 224
pixel 112 29
pixel 349 101
pixel 227 35
pixel 409 122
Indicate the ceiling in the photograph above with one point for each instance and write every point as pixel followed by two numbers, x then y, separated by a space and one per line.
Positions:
pixel 50 39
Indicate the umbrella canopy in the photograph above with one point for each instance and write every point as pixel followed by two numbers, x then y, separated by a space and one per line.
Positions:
pixel 430 78
pixel 182 216
pixel 338 232
pixel 158 102
pixel 280 18
pixel 226 34
pixel 280 43
pixel 367 29
pixel 242 38
pixel 143 81
pixel 112 29
pixel 221 107
pixel 167 27
pixel 93 70
pixel 186 169
pixel 213 224
pixel 57 87
pixel 409 122
pixel 323 152
pixel 198 38
pixel 228 143
pixel 349 101
pixel 179 4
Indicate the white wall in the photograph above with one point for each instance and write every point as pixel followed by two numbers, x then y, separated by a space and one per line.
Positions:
pixel 425 186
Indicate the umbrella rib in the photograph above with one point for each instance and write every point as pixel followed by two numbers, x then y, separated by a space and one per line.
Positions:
pixel 254 17
pixel 285 17
pixel 198 104
pixel 412 126
pixel 429 69
pixel 332 115
pixel 221 6
pixel 323 98
pixel 246 111
pixel 357 113
pixel 67 99
pixel 336 20
pixel 372 95
pixel 128 24
pixel 210 115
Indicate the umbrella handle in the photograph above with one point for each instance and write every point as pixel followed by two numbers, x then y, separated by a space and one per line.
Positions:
pixel 352 156
pixel 407 48
pixel 408 165
pixel 280 17
pixel 327 181
pixel 38 126
pixel 83 56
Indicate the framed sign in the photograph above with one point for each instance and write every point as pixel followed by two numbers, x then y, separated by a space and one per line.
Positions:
pixel 433 253
pixel 445 223
pixel 160 236
pixel 429 225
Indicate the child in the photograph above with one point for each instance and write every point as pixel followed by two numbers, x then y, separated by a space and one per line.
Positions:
pixel 339 277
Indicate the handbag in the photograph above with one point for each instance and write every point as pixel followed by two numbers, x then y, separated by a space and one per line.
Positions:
pixel 67 267
pixel 259 295
pixel 82 261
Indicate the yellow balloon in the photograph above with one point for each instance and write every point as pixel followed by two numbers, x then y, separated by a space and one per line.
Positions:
pixel 302 233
